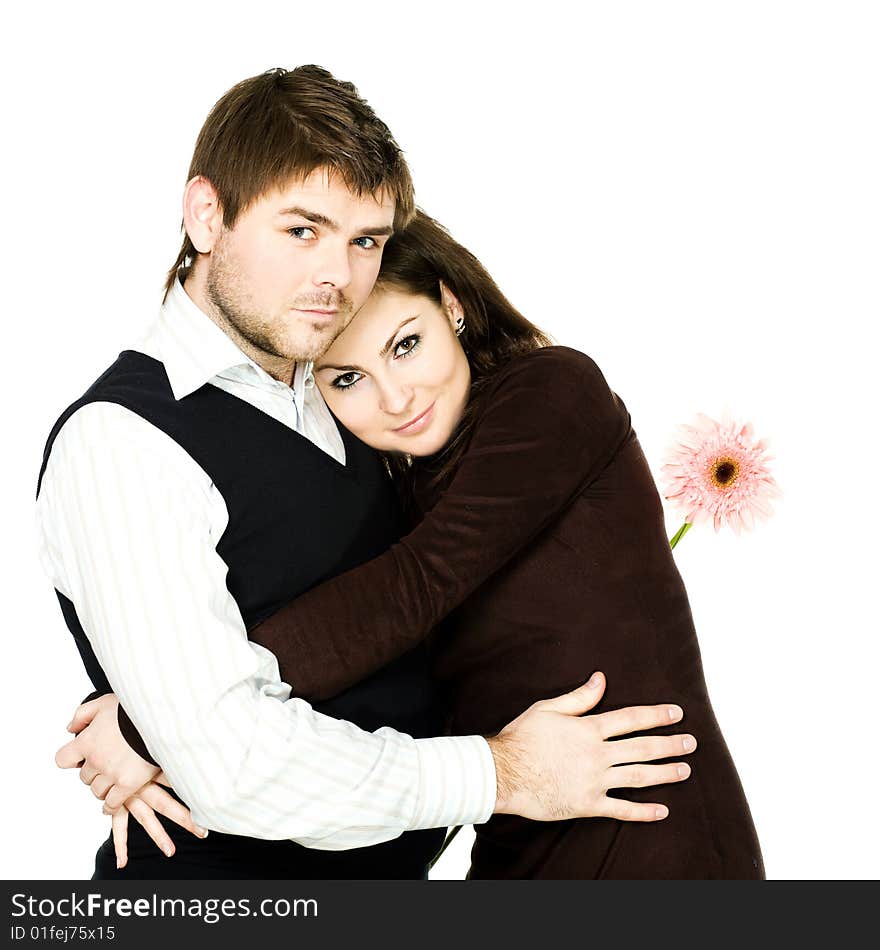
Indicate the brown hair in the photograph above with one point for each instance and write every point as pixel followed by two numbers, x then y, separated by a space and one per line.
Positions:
pixel 281 126
pixel 415 261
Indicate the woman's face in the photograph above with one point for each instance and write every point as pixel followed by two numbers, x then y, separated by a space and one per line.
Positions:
pixel 397 377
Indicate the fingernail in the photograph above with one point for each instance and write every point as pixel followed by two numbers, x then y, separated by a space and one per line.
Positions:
pixel 661 812
pixel 675 713
pixel 593 681
pixel 689 744
pixel 169 852
pixel 118 864
pixel 203 832
pixel 683 771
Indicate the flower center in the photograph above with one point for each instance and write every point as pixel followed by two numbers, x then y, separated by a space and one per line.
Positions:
pixel 724 471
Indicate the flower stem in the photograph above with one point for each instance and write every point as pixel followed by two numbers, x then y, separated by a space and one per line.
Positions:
pixel 682 531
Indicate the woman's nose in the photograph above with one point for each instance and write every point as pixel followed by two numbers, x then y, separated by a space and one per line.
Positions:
pixel 395 399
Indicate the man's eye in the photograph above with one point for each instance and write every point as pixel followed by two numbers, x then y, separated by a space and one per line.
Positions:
pixel 366 242
pixel 346 380
pixel 302 232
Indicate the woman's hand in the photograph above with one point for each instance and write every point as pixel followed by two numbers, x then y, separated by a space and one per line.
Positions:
pixel 143 805
pixel 106 762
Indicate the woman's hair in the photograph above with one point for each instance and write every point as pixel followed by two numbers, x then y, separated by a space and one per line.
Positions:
pixel 281 126
pixel 415 261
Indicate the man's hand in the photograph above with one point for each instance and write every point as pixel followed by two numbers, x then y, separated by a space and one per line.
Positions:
pixel 106 762
pixel 553 763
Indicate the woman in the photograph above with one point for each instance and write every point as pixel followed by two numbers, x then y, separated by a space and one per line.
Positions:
pixel 537 551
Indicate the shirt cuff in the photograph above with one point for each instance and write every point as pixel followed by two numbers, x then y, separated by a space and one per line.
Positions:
pixel 457 782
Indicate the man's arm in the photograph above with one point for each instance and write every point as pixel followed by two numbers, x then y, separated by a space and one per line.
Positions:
pixel 552 762
pixel 130 526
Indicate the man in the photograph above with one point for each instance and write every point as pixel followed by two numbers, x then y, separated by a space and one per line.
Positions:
pixel 201 482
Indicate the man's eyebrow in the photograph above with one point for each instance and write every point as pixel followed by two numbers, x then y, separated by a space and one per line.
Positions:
pixel 380 230
pixel 314 216
pixel 382 352
pixel 317 218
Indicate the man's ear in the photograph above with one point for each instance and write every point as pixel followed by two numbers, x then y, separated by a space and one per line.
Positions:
pixel 202 216
pixel 451 306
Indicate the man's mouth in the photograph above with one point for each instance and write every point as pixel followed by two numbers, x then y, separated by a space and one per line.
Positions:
pixel 318 313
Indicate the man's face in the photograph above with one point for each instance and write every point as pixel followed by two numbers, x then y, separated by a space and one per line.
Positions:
pixel 299 263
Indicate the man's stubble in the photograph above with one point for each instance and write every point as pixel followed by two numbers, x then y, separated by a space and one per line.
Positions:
pixel 256 333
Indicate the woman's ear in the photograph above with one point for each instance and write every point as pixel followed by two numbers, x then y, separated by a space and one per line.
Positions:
pixel 452 307
pixel 202 216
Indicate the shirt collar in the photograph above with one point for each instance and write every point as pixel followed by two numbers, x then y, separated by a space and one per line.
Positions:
pixel 194 350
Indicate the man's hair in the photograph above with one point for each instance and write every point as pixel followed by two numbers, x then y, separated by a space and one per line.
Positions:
pixel 282 125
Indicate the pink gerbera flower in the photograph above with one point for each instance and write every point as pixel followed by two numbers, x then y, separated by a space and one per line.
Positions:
pixel 717 470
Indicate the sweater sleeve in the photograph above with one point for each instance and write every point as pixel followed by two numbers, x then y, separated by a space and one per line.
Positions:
pixel 546 429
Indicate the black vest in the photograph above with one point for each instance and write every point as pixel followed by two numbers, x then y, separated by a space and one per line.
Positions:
pixel 296 517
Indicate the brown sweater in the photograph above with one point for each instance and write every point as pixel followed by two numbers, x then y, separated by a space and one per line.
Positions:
pixel 545 558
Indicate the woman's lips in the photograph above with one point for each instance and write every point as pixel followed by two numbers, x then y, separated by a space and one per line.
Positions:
pixel 418 423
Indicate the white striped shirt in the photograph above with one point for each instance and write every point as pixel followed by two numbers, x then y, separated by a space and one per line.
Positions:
pixel 128 526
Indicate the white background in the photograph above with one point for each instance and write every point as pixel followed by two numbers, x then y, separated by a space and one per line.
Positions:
pixel 687 191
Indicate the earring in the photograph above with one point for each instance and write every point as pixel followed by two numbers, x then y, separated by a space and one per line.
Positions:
pixel 459 326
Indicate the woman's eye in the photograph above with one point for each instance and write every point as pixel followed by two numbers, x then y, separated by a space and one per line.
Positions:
pixel 367 243
pixel 407 345
pixel 346 380
pixel 302 232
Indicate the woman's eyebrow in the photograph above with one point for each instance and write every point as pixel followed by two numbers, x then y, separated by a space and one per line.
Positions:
pixel 383 352
pixel 390 339
pixel 344 369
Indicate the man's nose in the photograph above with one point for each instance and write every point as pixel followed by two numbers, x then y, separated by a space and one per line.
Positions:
pixel 332 268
